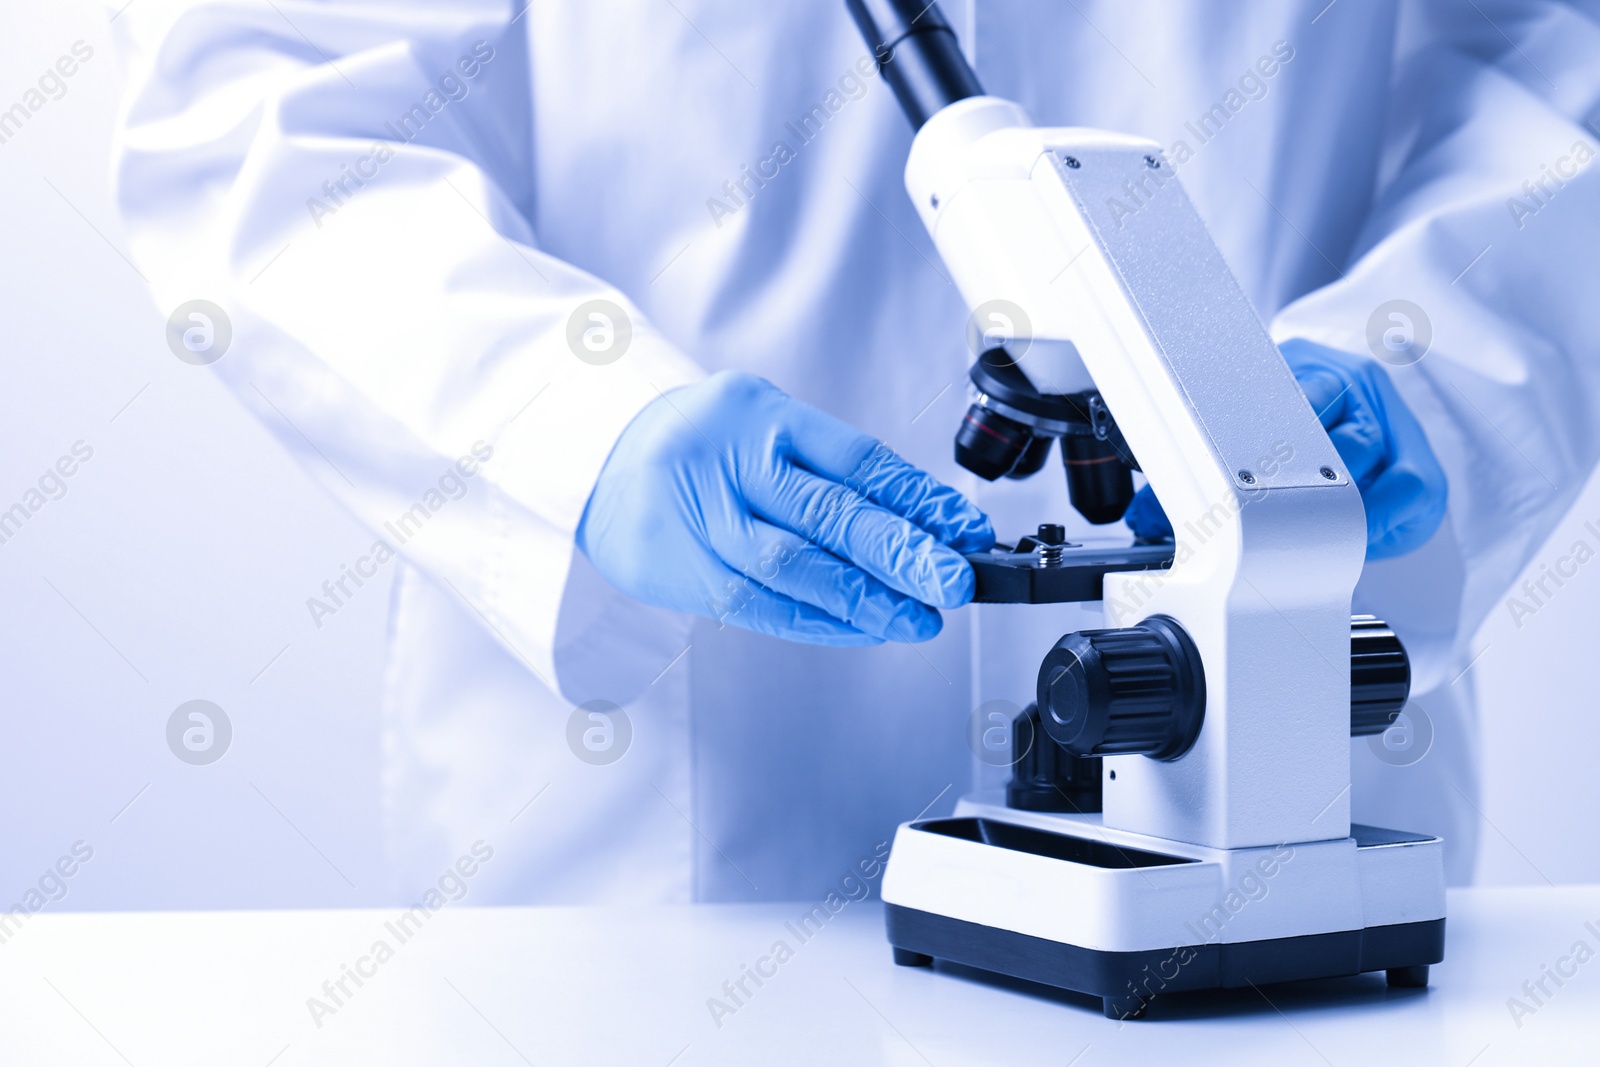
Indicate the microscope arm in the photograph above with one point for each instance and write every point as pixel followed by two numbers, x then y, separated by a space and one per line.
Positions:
pixel 1089 236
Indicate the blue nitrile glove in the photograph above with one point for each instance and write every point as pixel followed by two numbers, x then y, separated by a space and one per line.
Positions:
pixel 1402 485
pixel 731 499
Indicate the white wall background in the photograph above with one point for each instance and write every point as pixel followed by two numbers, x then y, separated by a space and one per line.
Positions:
pixel 177 565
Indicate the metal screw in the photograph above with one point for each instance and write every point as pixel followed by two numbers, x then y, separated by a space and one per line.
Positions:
pixel 1247 478
pixel 1152 162
pixel 1072 161
pixel 1327 472
pixel 1052 544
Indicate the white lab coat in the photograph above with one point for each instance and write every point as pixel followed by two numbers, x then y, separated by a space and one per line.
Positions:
pixel 383 328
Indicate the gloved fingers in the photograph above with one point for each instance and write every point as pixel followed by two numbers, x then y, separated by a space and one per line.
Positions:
pixel 1407 501
pixel 747 604
pixel 1345 409
pixel 913 494
pixel 1403 486
pixel 1402 512
pixel 1360 442
pixel 1326 391
pixel 843 454
pixel 1146 518
pixel 845 522
pixel 788 564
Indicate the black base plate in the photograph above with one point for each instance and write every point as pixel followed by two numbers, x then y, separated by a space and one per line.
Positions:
pixel 1127 981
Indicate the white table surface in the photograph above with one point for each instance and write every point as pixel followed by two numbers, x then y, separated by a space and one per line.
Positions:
pixel 490 986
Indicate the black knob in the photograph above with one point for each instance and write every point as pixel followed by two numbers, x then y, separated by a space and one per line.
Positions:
pixel 1045 776
pixel 1380 676
pixel 1139 689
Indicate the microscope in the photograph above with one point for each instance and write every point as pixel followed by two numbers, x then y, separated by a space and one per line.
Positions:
pixel 1178 816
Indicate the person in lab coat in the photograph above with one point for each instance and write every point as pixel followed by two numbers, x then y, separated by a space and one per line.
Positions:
pixel 480 258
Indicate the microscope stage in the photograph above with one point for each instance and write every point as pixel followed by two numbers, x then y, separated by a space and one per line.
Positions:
pixel 1073 573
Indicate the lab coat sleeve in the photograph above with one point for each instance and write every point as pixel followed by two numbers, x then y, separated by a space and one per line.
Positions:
pixel 351 183
pixel 1486 216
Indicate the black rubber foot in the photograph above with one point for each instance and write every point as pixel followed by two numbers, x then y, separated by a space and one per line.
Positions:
pixel 1408 977
pixel 1125 1007
pixel 904 957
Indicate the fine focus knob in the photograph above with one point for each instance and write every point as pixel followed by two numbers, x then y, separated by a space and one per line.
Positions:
pixel 1380 676
pixel 1139 689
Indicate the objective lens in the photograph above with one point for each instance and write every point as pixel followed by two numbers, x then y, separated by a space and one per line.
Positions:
pixel 1099 482
pixel 989 444
pixel 1033 458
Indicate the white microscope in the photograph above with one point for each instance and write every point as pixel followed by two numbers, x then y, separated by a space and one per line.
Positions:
pixel 1179 815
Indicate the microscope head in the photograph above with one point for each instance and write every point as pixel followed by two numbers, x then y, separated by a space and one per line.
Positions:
pixel 1009 429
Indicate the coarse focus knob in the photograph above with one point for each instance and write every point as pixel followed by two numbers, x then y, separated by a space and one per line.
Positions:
pixel 1138 689
pixel 1380 676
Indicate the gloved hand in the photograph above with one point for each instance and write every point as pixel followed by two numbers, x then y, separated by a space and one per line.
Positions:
pixel 732 500
pixel 1402 485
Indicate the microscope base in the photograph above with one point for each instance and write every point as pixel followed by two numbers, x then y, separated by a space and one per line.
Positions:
pixel 1065 901
pixel 1127 981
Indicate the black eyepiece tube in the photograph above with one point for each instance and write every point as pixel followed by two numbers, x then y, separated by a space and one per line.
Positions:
pixel 918 54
